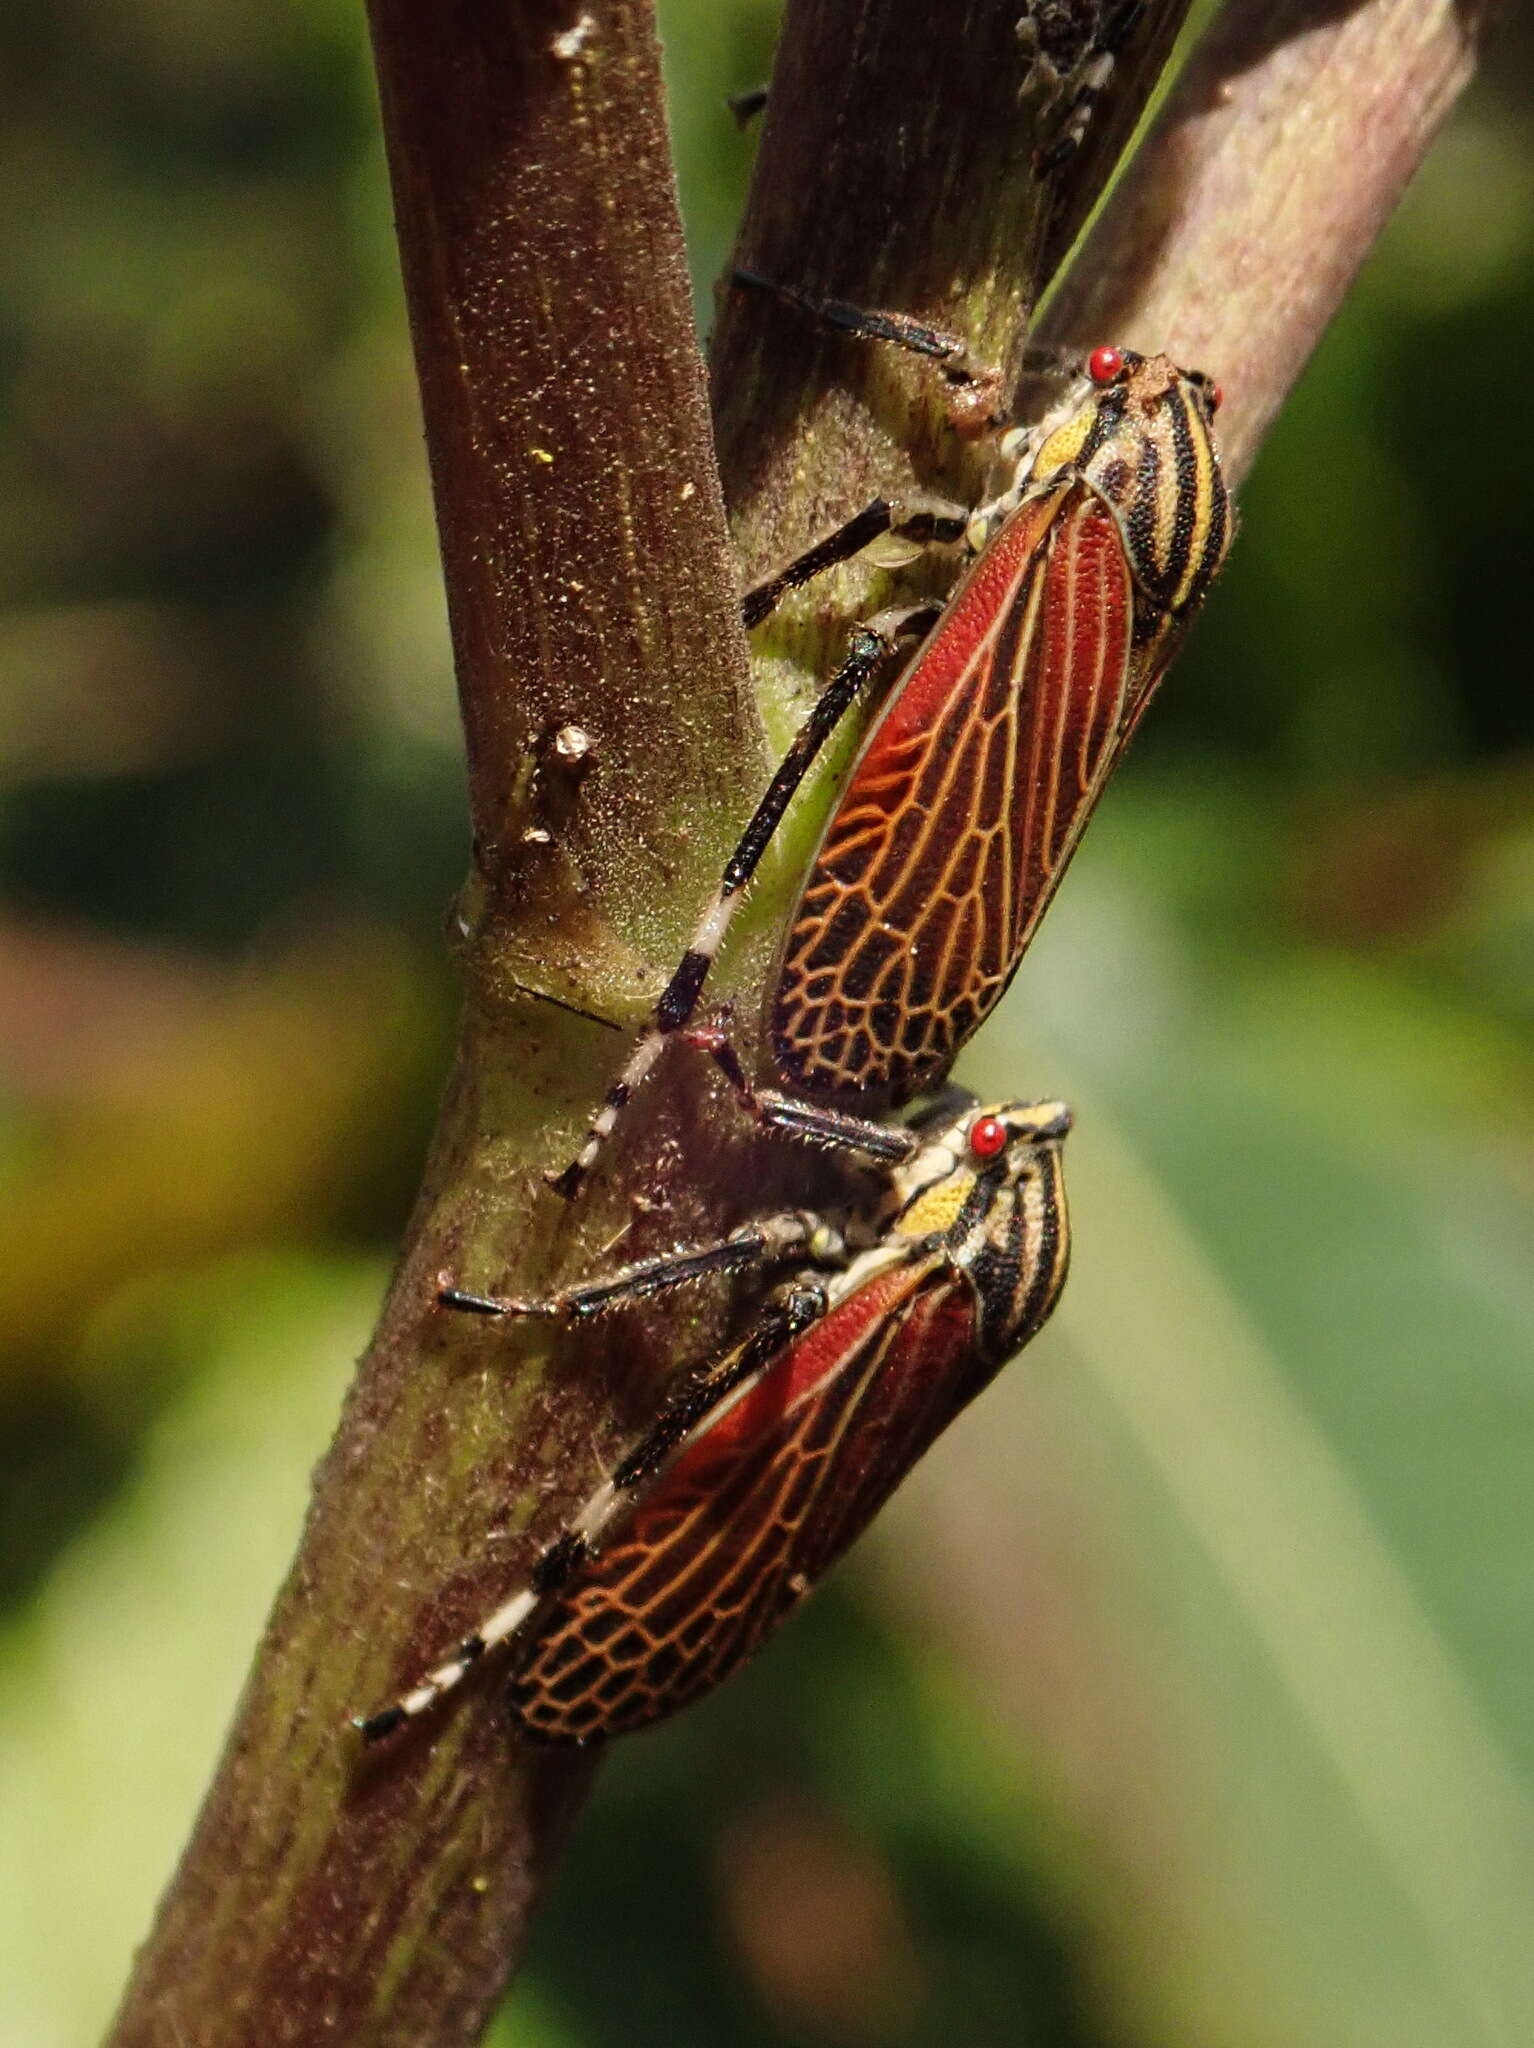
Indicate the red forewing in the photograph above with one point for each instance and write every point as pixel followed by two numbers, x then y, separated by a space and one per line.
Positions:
pixel 964 805
pixel 755 1508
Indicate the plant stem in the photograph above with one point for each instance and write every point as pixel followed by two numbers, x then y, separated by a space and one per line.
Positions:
pixel 1276 162
pixel 612 752
pixel 381 1900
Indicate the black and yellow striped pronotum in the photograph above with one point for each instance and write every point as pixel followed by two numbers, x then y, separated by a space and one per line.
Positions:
pixel 978 776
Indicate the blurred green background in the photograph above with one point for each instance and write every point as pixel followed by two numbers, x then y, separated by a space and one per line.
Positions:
pixel 1186 1696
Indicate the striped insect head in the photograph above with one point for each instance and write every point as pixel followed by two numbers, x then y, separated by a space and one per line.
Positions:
pixel 990 1184
pixel 1015 1241
pixel 1143 437
pixel 966 1165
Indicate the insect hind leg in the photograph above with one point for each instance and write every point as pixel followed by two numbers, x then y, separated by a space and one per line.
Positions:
pixel 495 1629
pixel 869 646
pixel 832 1128
pixel 800 1303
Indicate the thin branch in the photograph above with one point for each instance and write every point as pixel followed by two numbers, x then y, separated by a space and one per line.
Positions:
pixel 1267 177
pixel 906 133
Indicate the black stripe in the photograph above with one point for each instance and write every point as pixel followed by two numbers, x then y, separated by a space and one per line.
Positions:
pixel 980 1201
pixel 1051 1256
pixel 1107 420
pixel 553 1569
pixel 1217 536
pixel 674 1008
pixel 1186 509
pixel 1142 520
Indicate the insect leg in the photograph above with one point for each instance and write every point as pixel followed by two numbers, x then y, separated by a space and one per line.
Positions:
pixel 745 106
pixel 1055 155
pixel 923 523
pixel 977 385
pixel 869 645
pixel 797 1232
pixel 828 1127
pixel 1067 64
pixel 800 1304
pixel 930 523
pixel 841 316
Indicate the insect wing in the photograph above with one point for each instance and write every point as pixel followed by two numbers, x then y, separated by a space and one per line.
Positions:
pixel 963 806
pixel 755 1508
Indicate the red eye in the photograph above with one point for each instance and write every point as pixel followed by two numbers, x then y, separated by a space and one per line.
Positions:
pixel 987 1137
pixel 1104 364
pixel 1216 397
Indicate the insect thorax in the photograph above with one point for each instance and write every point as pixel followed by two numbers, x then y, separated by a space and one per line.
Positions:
pixel 1148 450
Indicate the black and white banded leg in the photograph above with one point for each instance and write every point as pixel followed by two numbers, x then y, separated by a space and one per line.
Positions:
pixel 870 645
pixel 796 1233
pixel 793 1309
pixel 793 1233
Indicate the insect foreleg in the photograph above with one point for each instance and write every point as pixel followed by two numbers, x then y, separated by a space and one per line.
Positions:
pixel 975 386
pixel 795 1233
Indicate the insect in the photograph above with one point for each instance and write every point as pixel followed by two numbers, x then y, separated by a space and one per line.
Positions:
pixel 977 777
pixel 1072 47
pixel 759 1473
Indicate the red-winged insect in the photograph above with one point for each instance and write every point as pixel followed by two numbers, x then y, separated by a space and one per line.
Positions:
pixel 760 1471
pixel 976 779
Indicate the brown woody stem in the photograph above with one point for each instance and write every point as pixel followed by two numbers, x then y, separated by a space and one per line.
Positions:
pixel 612 751
pixel 381 1899
pixel 1279 157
